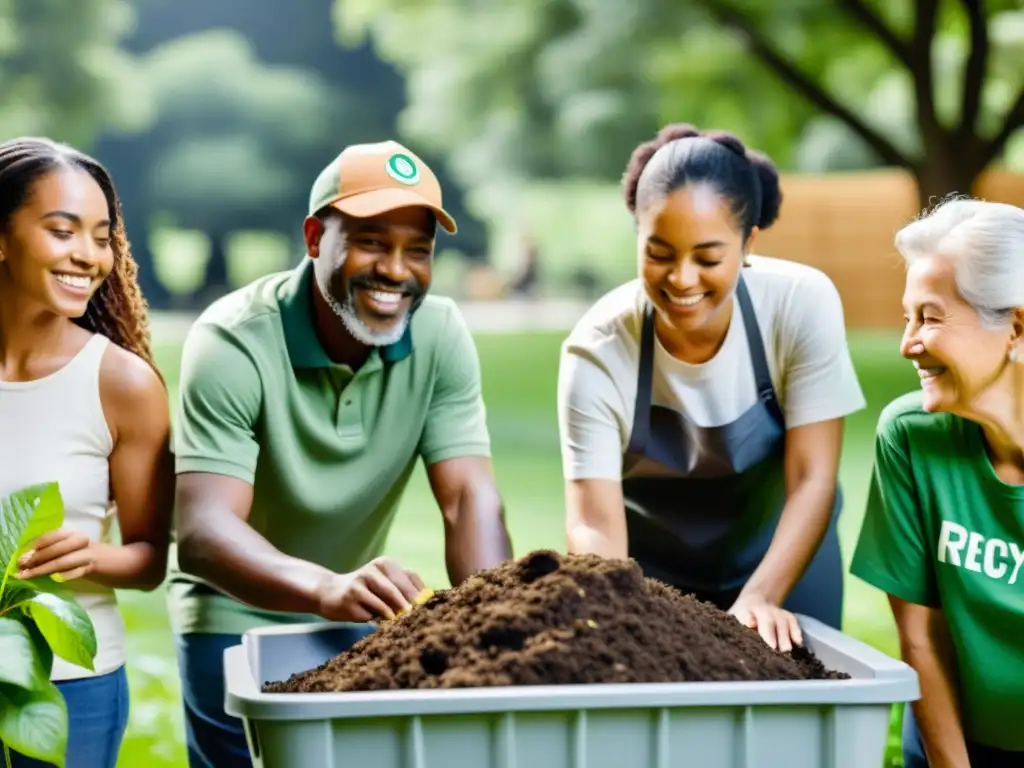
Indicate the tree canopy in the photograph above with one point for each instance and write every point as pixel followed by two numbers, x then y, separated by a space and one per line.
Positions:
pixel 569 87
pixel 62 72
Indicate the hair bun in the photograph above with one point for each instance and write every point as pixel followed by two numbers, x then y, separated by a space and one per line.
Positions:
pixel 771 189
pixel 631 177
pixel 674 132
pixel 642 155
pixel 728 140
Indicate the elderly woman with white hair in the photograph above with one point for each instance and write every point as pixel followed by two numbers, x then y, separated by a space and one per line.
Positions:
pixel 943 534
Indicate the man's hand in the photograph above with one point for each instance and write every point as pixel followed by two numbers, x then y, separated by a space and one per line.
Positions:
pixel 65 554
pixel 777 626
pixel 379 588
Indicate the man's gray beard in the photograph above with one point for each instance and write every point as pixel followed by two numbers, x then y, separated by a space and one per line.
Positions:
pixel 347 314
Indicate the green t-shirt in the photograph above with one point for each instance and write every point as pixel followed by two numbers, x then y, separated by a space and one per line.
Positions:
pixel 942 530
pixel 329 451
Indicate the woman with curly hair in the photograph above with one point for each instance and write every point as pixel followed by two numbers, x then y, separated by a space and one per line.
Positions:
pixel 82 405
pixel 701 405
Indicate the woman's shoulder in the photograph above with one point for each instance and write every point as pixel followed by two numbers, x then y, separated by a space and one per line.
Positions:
pixel 799 303
pixel 780 284
pixel 904 421
pixel 615 320
pixel 775 271
pixel 130 387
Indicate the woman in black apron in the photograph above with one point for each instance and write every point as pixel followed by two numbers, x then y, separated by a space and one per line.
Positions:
pixel 716 484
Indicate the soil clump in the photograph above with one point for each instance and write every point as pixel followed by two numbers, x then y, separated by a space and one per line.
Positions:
pixel 553 619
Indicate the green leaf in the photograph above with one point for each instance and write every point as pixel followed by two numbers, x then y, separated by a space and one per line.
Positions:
pixel 43 651
pixel 17 593
pixel 58 623
pixel 25 516
pixel 65 625
pixel 20 663
pixel 34 723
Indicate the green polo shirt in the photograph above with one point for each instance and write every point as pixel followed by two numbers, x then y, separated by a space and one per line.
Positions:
pixel 329 451
pixel 941 529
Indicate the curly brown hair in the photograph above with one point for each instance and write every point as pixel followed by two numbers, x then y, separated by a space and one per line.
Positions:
pixel 118 309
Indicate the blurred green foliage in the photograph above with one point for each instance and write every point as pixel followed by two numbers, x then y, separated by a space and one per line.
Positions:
pixel 529 110
pixel 569 87
pixel 232 130
pixel 63 73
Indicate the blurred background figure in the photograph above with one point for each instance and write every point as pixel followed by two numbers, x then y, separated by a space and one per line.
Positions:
pixel 213 116
pixel 526 281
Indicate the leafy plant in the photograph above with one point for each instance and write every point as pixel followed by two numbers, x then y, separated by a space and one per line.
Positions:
pixel 38 619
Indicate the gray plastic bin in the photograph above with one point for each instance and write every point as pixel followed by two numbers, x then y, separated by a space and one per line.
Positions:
pixel 790 724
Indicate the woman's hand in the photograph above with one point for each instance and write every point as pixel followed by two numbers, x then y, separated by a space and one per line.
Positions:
pixel 65 553
pixel 777 626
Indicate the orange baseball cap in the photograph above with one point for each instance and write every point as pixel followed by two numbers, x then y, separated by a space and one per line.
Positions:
pixel 371 179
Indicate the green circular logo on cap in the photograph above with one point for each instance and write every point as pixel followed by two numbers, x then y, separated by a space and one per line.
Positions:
pixel 402 168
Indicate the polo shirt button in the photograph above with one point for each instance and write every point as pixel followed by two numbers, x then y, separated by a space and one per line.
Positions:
pixel 348 402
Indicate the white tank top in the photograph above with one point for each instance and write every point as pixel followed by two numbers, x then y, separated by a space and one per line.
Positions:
pixel 60 434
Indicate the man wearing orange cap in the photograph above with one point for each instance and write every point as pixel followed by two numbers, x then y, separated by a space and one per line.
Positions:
pixel 306 399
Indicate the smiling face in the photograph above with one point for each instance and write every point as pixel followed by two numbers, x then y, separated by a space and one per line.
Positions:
pixel 55 250
pixel 371 271
pixel 956 356
pixel 691 251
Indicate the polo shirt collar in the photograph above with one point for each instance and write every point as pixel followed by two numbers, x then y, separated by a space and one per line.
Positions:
pixel 304 348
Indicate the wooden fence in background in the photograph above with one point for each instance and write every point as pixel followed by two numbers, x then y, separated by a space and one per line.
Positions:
pixel 844 224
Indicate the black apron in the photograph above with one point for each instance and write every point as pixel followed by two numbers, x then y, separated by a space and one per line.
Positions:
pixel 702 503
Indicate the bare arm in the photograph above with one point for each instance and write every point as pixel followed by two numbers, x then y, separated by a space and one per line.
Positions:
pixel 141 473
pixel 476 537
pixel 216 543
pixel 217 451
pixel 596 518
pixel 141 478
pixel 926 646
pixel 820 388
pixel 811 466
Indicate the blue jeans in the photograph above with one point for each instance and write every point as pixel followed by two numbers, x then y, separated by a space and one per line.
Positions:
pixel 214 738
pixel 980 755
pixel 97 720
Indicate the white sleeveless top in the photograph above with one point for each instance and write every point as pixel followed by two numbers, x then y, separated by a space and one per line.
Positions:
pixel 54 429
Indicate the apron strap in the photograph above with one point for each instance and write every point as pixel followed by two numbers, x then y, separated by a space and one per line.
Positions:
pixel 645 376
pixel 758 357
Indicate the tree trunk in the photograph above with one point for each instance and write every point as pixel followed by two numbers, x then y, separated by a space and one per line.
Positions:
pixel 944 171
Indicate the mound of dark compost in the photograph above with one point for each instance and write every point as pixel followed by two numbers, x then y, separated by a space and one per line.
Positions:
pixel 554 619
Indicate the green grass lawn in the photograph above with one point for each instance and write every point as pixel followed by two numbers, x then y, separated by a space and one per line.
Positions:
pixel 519 384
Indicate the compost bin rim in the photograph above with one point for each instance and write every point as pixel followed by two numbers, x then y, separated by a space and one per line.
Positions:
pixel 876 679
pixel 523 700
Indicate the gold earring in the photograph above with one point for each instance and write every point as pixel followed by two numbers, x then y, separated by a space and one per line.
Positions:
pixel 1012 355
